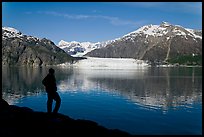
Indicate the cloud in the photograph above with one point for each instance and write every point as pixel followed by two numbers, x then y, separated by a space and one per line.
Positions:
pixel 117 21
pixel 113 20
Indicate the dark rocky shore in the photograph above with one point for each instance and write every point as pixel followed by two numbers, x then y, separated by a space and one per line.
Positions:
pixel 23 121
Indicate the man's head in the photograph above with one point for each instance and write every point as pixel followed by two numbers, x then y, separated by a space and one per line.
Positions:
pixel 51 71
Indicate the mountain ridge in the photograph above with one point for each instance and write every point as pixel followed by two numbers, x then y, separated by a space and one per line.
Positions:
pixel 21 49
pixel 155 43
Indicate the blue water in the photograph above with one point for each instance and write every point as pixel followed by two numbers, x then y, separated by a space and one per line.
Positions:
pixel 151 101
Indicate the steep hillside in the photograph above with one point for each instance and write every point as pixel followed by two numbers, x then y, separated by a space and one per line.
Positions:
pixel 20 49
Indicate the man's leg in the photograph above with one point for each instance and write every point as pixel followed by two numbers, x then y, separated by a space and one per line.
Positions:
pixel 58 102
pixel 49 103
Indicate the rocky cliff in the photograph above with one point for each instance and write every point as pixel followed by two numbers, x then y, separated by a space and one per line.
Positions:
pixel 20 49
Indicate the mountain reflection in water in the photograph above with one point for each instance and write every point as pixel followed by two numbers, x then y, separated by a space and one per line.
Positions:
pixel 152 88
pixel 25 81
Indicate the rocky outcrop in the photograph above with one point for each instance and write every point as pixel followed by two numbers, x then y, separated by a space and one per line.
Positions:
pixel 19 49
pixel 23 121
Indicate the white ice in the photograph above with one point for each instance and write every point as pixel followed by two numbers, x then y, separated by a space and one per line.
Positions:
pixel 109 63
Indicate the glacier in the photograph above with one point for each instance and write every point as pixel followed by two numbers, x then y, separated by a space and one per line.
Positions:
pixel 108 63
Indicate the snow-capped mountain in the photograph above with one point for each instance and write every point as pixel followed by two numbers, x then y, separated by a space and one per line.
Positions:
pixel 21 49
pixel 164 29
pixel 78 49
pixel 154 43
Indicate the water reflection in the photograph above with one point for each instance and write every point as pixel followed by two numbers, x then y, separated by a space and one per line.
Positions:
pixel 85 80
pixel 25 81
pixel 149 87
pixel 157 87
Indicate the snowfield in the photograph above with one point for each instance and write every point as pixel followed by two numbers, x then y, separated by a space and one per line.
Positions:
pixel 108 63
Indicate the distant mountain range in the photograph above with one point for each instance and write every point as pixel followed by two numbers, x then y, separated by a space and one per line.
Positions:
pixel 154 43
pixel 79 49
pixel 20 49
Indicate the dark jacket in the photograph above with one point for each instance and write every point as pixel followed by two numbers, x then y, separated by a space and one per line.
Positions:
pixel 50 83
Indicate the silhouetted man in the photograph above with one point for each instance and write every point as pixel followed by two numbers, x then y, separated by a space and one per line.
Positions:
pixel 50 85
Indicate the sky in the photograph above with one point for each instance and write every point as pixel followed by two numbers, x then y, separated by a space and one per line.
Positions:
pixel 95 21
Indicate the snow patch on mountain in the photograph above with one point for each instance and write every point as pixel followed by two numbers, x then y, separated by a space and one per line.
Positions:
pixel 9 32
pixel 192 32
pixel 13 30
